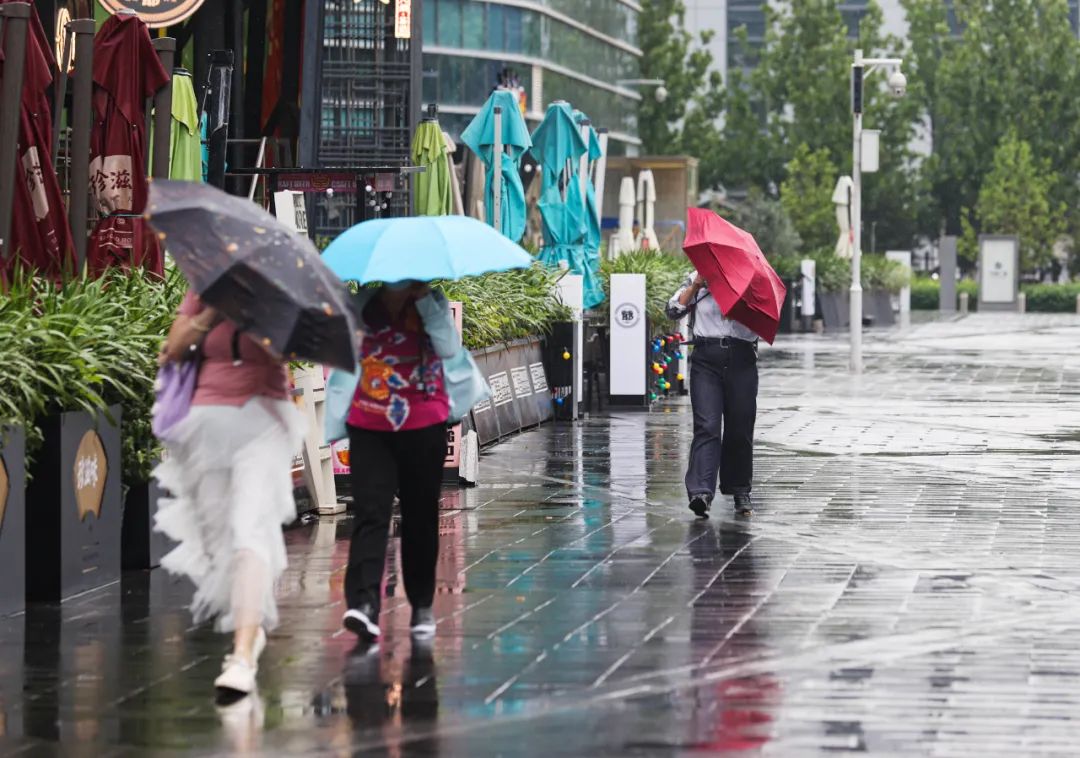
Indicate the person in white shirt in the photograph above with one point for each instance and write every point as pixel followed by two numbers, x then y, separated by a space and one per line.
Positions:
pixel 723 394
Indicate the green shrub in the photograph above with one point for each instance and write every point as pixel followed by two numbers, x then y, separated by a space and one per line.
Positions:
pixel 83 346
pixel 925 293
pixel 664 274
pixel 1051 298
pixel 509 305
pixel 832 273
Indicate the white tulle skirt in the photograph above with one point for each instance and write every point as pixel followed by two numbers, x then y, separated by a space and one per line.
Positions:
pixel 229 476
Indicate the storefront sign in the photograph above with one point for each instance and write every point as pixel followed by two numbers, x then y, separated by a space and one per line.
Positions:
pixel 999 264
pixel 403 19
pixel 89 474
pixel 156 13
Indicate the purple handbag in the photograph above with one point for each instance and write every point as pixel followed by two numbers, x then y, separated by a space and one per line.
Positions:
pixel 173 389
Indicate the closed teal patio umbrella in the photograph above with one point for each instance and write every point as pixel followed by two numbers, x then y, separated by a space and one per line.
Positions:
pixel 557 147
pixel 593 235
pixel 480 137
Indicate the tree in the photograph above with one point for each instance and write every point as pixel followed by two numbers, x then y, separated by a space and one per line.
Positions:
pixel 806 195
pixel 1015 66
pixel 800 92
pixel 1015 198
pixel 768 221
pixel 687 120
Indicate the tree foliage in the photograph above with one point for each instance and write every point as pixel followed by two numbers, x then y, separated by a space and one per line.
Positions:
pixel 806 195
pixel 769 222
pixel 1016 198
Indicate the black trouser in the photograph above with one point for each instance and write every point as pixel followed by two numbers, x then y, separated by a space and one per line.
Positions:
pixel 410 465
pixel 723 393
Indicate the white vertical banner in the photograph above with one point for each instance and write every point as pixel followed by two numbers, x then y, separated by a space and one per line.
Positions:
pixel 403 19
pixel 626 364
pixel 571 292
pixel 808 269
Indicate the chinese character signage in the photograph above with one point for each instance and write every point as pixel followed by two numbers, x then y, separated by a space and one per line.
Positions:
pixel 156 13
pixel 403 19
pixel 89 474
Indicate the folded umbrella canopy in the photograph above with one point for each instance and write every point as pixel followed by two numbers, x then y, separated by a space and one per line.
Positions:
pixel 593 235
pixel 422 248
pixel 557 147
pixel 127 72
pixel 433 192
pixel 740 279
pixel 479 135
pixel 262 276
pixel 40 235
pixel 185 148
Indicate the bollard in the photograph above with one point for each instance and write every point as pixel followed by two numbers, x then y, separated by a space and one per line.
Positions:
pixel 1078 303
pixel 1021 303
pixel 964 302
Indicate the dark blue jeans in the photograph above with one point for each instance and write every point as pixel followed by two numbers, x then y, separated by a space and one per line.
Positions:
pixel 723 392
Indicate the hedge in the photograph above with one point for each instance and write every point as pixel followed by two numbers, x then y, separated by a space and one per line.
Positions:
pixel 1041 298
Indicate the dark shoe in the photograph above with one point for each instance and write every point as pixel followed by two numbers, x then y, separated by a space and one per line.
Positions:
pixel 699 504
pixel 423 622
pixel 744 504
pixel 361 622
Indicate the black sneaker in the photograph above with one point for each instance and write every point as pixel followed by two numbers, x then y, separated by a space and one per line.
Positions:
pixel 423 622
pixel 361 622
pixel 744 504
pixel 699 504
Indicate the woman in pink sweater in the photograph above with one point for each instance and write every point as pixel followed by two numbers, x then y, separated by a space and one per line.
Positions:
pixel 397 446
pixel 228 470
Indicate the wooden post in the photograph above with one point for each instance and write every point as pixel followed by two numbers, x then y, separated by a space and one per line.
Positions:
pixel 81 122
pixel 166 52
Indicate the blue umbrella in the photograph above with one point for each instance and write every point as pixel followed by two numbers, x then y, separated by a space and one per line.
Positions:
pixel 558 146
pixel 479 135
pixel 421 248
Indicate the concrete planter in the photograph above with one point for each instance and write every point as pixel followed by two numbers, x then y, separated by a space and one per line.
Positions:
pixel 835 308
pixel 12 521
pixel 520 398
pixel 74 517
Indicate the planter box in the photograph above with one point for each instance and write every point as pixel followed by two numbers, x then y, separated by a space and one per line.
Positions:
pixel 878 305
pixel 73 525
pixel 142 547
pixel 520 395
pixel 835 309
pixel 12 521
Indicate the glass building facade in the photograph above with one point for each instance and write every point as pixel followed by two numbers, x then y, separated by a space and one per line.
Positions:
pixel 574 50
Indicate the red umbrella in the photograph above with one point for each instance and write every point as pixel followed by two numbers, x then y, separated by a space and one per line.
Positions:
pixel 744 284
pixel 40 233
pixel 126 72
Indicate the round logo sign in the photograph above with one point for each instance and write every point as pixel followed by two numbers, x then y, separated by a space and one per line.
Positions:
pixel 89 474
pixel 155 13
pixel 627 315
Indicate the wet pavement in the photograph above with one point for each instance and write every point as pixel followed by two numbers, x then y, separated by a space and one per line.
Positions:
pixel 910 585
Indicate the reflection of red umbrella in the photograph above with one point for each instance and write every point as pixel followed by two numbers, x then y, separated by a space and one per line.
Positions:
pixel 744 284
pixel 39 231
pixel 126 72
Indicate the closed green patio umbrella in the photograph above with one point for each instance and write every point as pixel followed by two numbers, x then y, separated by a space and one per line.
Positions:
pixel 433 196
pixel 480 137
pixel 557 147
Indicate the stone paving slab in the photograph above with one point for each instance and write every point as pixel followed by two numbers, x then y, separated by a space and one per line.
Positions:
pixel 910 585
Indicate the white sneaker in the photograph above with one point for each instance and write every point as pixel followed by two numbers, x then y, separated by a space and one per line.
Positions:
pixel 359 622
pixel 237 675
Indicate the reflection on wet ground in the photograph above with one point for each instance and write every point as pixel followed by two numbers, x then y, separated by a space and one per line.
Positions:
pixel 909 585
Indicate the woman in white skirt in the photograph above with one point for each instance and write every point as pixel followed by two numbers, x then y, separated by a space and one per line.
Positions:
pixel 228 470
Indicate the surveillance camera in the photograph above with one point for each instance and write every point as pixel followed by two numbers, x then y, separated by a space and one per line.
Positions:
pixel 661 93
pixel 897 83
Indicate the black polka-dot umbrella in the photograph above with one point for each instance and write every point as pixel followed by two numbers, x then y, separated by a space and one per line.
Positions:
pixel 261 275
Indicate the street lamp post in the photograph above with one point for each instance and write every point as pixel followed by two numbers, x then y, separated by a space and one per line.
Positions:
pixel 861 68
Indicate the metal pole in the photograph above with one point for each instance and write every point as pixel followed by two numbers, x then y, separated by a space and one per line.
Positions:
pixel 583 163
pixel 856 214
pixel 16 17
pixel 81 120
pixel 496 181
pixel 601 176
pixel 162 147
pixel 61 90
